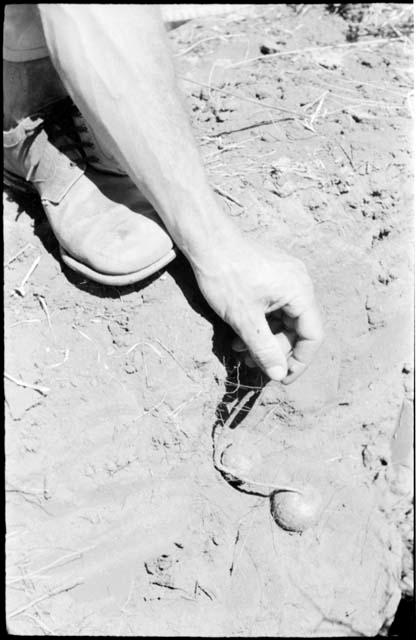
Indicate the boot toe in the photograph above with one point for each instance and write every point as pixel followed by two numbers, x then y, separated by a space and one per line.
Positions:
pixel 124 244
pixel 111 235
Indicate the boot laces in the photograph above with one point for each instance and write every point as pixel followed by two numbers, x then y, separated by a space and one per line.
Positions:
pixel 62 126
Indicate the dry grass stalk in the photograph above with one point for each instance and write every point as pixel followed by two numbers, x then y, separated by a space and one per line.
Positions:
pixel 45 596
pixel 258 103
pixel 226 195
pixel 13 258
pixel 56 563
pixel 305 50
pixel 170 352
pixel 218 37
pixel 21 288
pixel 20 383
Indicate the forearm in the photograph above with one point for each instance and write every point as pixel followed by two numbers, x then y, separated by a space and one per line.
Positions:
pixel 116 64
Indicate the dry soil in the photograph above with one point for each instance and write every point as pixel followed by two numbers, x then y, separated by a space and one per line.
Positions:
pixel 118 522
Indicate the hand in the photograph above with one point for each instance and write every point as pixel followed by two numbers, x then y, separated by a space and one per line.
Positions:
pixel 267 298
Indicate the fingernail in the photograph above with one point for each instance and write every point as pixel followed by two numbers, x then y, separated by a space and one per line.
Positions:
pixel 277 373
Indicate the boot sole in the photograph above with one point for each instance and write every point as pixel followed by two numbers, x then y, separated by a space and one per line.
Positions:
pixel 116 280
pixel 20 185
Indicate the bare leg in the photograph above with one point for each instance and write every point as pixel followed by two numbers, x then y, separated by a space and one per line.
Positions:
pixel 116 64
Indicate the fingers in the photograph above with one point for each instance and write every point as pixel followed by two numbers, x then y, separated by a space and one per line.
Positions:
pixel 266 350
pixel 309 330
pixel 298 344
pixel 276 324
pixel 285 341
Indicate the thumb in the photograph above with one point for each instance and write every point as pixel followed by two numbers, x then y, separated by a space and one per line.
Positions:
pixel 264 348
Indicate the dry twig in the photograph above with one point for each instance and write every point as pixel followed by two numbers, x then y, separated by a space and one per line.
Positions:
pixel 341 45
pixel 21 289
pixel 170 352
pixel 43 390
pixel 24 322
pixel 56 563
pixel 45 596
pixel 258 103
pixel 59 364
pixel 219 37
pixel 13 258
pixel 44 306
pixel 226 195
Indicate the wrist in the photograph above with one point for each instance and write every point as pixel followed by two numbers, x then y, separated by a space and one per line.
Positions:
pixel 207 235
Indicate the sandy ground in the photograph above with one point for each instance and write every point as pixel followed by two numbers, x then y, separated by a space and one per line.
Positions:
pixel 117 521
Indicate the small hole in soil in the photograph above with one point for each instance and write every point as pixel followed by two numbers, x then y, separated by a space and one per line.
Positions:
pixel 383 234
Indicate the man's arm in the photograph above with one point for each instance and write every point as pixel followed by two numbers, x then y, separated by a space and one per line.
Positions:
pixel 116 64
